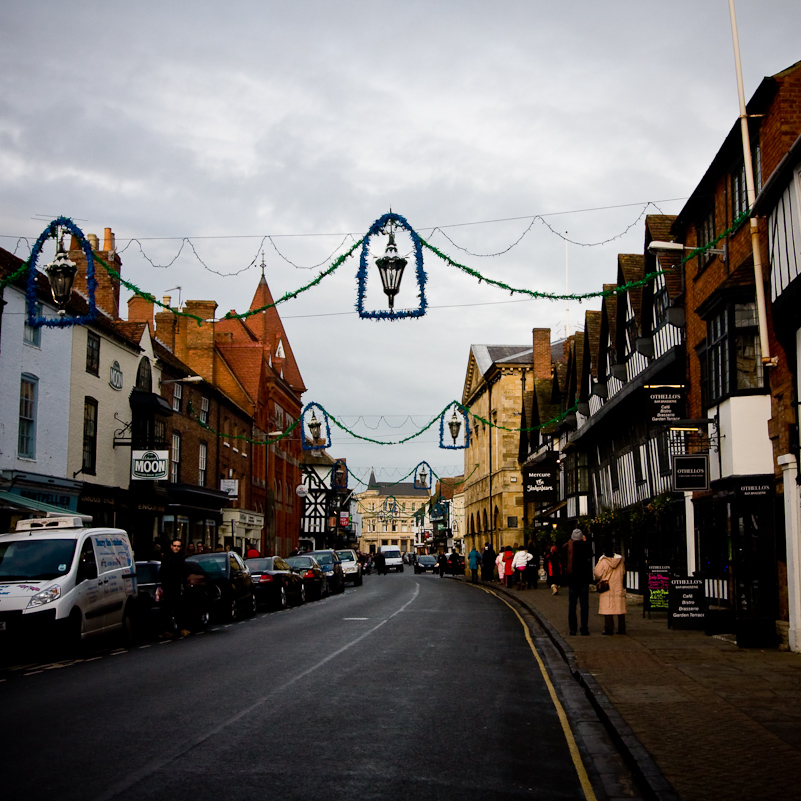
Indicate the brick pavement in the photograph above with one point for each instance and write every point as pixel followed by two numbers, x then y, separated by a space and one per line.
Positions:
pixel 718 722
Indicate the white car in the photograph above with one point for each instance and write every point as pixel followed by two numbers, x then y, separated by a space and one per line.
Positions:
pixel 350 566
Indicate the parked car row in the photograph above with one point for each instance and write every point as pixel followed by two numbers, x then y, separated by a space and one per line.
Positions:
pixel 64 582
pixel 223 586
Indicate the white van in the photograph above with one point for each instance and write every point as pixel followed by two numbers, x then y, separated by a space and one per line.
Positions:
pixel 394 560
pixel 56 575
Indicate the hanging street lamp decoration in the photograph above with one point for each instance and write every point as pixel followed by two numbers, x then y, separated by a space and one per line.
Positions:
pixel 454 426
pixel 61 275
pixel 421 477
pixel 314 427
pixel 390 268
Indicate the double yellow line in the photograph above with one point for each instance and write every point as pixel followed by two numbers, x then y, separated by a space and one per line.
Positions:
pixel 575 755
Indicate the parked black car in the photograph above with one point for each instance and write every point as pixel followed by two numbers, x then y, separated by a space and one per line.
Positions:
pixel 194 608
pixel 308 568
pixel 332 567
pixel 275 583
pixel 226 572
pixel 425 564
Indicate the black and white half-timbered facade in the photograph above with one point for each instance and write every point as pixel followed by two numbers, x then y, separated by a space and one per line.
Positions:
pixel 614 461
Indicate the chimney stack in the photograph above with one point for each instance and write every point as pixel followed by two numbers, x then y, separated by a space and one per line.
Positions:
pixel 541 353
pixel 107 293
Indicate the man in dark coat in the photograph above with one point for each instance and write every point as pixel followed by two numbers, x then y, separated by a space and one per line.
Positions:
pixel 488 563
pixel 381 563
pixel 578 573
pixel 171 575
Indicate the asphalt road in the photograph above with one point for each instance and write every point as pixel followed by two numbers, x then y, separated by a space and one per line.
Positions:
pixel 409 687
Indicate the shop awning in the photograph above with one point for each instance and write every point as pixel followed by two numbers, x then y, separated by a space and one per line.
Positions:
pixel 44 509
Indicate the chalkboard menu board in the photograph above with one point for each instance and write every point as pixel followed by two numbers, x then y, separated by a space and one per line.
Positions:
pixel 657 586
pixel 686 603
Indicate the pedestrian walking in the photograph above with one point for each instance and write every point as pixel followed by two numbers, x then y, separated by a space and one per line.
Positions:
pixel 611 568
pixel 519 564
pixel 381 563
pixel 474 559
pixel 553 569
pixel 499 564
pixel 578 573
pixel 442 564
pixel 531 573
pixel 508 571
pixel 488 562
pixel 171 575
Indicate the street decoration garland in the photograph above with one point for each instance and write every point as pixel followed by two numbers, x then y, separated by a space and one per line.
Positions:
pixel 35 320
pixel 397 219
pixel 361 277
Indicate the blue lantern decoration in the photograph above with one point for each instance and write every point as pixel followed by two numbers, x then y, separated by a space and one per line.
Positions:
pixel 391 267
pixel 421 477
pixel 454 424
pixel 314 427
pixel 60 273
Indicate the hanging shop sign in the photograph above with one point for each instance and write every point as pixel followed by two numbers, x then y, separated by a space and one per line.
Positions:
pixel 149 465
pixel 541 481
pixel 115 375
pixel 231 486
pixel 690 472
pixel 665 404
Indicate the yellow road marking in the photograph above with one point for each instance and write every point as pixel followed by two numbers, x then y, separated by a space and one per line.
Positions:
pixel 575 755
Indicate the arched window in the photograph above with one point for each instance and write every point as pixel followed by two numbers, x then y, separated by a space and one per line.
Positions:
pixel 144 377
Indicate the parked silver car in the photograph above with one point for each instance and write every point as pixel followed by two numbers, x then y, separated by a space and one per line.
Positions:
pixel 351 566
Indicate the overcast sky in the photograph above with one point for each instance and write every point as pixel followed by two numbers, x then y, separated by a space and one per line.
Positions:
pixel 306 121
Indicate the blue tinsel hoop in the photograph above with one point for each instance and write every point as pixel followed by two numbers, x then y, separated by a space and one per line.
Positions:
pixel 361 277
pixel 35 320
pixel 465 423
pixel 327 444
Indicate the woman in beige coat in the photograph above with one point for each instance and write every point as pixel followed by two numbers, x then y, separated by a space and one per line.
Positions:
pixel 612 568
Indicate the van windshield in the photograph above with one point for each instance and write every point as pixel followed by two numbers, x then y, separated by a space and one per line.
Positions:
pixel 392 554
pixel 35 559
